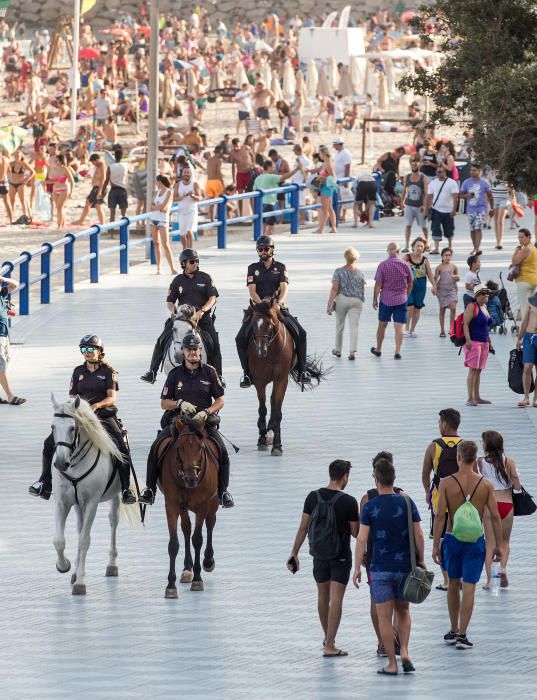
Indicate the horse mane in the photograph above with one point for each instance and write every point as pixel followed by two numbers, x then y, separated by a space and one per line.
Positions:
pixel 264 307
pixel 91 425
pixel 184 312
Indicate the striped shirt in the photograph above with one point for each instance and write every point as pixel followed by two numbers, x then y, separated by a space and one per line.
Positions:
pixel 500 190
pixel 394 275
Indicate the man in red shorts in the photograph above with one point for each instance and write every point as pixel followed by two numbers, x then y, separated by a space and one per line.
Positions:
pixel 242 159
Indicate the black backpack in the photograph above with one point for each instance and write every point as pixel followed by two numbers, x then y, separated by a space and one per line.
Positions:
pixel 447 462
pixel 515 372
pixel 323 535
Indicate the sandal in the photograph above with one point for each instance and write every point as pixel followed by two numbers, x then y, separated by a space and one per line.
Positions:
pixel 339 652
pixel 352 355
pixel 336 353
pixel 16 401
pixel 442 335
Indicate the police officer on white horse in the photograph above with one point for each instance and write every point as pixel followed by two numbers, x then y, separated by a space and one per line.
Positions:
pixel 268 278
pixel 196 288
pixel 191 389
pixel 96 382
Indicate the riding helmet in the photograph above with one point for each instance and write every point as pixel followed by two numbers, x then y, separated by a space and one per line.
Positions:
pixel 264 242
pixel 191 340
pixel 188 254
pixel 93 340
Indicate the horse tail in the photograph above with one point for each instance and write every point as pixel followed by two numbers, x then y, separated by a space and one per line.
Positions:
pixel 316 369
pixel 130 515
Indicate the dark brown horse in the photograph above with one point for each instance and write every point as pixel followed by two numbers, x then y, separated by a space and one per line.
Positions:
pixel 189 481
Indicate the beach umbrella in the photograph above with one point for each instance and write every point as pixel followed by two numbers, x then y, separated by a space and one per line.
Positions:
pixel 266 74
pixel 407 16
pixel 181 64
pixel 11 138
pixel 356 75
pixel 275 86
pixel 240 75
pixel 191 82
pixel 312 78
pixel 323 90
pixel 88 53
pixel 345 87
pixel 289 81
pixel 301 85
pixel 217 80
pixel 333 76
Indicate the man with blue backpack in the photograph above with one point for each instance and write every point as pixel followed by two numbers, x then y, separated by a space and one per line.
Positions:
pixel 329 519
pixel 462 553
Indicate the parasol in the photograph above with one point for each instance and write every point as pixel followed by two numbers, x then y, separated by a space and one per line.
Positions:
pixel 289 81
pixel 301 85
pixel 323 89
pixel 240 75
pixel 312 78
pixel 357 75
pixel 345 87
pixel 333 76
pixel 88 53
pixel 217 80
pixel 275 87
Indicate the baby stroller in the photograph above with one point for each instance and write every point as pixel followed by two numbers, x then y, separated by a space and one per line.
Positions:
pixel 495 309
pixel 506 307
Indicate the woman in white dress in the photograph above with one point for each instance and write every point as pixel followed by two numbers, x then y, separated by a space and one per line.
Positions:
pixel 160 221
pixel 187 194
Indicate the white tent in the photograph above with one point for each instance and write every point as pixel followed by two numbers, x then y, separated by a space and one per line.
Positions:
pixel 289 81
pixel 312 78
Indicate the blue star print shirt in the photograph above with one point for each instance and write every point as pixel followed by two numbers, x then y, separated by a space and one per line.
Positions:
pixel 387 517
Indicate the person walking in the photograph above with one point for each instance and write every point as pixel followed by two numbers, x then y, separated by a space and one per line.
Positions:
pixel 393 282
pixel 330 548
pixel 347 299
pixel 525 256
pixel 526 342
pixel 477 323
pixel 187 194
pixel 386 518
pixel 502 195
pixel 446 276
pixel 422 272
pixel 476 191
pixel 328 188
pixel 441 203
pixel 160 221
pixel 7 286
pixel 502 473
pixel 461 558
pixel 117 175
pixel 413 202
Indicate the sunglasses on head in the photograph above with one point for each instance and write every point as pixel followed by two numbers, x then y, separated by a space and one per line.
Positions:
pixel 264 250
pixel 86 348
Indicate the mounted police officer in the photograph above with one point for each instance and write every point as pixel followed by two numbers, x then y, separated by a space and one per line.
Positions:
pixel 196 288
pixel 96 382
pixel 189 390
pixel 268 278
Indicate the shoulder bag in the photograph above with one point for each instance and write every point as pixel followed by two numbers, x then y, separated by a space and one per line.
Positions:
pixel 419 581
pixel 523 503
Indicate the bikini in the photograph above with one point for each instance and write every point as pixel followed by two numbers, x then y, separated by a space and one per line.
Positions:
pixel 16 185
pixel 489 473
pixel 60 180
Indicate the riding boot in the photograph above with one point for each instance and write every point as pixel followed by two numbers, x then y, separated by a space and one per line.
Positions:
pixel 242 339
pixel 225 498
pixel 114 430
pixel 147 496
pixel 300 340
pixel 124 470
pixel 43 487
pixel 158 352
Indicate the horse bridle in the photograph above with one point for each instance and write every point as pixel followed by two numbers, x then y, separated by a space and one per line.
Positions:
pixel 271 336
pixel 200 470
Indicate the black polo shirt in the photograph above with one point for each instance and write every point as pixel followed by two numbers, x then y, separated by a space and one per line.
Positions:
pixel 195 290
pixel 197 386
pixel 267 280
pixel 93 386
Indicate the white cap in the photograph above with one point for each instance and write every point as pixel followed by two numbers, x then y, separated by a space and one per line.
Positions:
pixel 337 140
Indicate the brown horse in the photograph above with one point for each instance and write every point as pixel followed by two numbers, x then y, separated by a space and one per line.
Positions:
pixel 189 481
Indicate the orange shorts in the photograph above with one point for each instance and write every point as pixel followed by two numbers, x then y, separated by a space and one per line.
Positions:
pixel 213 188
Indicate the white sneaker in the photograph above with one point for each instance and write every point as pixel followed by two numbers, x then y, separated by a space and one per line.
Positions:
pixel 407 334
pixel 412 335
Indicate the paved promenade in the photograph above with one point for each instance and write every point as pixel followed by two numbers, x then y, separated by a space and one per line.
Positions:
pixel 254 631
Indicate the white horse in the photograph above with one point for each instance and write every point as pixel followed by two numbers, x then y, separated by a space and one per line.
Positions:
pixel 181 326
pixel 82 477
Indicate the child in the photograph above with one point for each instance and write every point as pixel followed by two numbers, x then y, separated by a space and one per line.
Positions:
pixel 446 277
pixel 494 305
pixel 471 279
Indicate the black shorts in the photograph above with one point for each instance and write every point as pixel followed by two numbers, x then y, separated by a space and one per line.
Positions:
pixel 338 570
pixel 117 197
pixel 3 190
pixel 262 113
pixel 243 116
pixel 269 220
pixel 366 192
pixel 92 197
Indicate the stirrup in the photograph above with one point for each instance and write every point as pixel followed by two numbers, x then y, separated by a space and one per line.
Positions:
pixel 128 497
pixel 147 497
pixel 39 490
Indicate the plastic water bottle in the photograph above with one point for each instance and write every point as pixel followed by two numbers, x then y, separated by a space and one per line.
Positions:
pixel 496 577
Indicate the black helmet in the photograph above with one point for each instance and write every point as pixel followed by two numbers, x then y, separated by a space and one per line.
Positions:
pixel 264 242
pixel 188 254
pixel 191 340
pixel 93 340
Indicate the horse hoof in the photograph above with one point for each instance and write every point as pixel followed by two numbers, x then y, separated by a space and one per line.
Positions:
pixel 186 576
pixel 209 566
pixel 276 452
pixel 79 589
pixel 111 571
pixel 262 447
pixel 63 571
pixel 196 586
pixel 73 579
pixel 171 593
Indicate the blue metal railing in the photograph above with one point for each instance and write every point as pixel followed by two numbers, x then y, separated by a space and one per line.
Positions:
pixel 69 242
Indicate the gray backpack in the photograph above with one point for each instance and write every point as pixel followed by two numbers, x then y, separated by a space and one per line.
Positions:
pixel 324 539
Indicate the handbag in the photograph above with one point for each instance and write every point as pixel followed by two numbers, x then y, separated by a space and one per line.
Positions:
pixel 419 581
pixel 513 273
pixel 523 503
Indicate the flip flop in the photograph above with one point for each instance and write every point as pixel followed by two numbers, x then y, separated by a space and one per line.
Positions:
pixel 524 404
pixel 376 352
pixel 408 667
pixel 3 401
pixel 340 652
pixel 441 587
pixel 383 672
pixel 17 401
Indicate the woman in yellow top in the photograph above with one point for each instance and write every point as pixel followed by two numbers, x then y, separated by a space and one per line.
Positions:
pixel 525 256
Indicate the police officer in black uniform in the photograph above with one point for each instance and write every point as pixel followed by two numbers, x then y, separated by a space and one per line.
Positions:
pixel 189 390
pixel 268 278
pixel 96 382
pixel 196 288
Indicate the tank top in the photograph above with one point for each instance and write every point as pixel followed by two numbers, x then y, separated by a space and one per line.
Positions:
pixel 187 204
pixel 158 200
pixel 414 192
pixel 480 327
pixel 528 268
pixel 418 269
pixel 489 473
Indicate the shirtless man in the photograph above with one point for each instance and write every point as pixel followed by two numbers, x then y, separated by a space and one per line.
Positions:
pixel 95 198
pixel 53 171
pixel 464 560
pixel 242 161
pixel 263 101
pixel 4 169
pixel 214 186
pixel 527 342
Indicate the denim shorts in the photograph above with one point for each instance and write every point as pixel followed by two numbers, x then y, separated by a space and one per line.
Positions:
pixel 387 585
pixel 398 313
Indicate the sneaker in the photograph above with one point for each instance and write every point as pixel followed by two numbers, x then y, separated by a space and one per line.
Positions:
pixel 451 638
pixel 463 642
pixel 246 382
pixel 147 497
pixel 412 334
pixel 149 377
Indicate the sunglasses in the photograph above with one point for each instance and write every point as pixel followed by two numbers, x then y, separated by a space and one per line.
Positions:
pixel 264 250
pixel 193 262
pixel 487 294
pixel 88 348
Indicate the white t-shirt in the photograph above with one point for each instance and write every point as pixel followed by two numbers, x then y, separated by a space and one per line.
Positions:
pixel 471 278
pixel 103 108
pixel 341 160
pixel 299 178
pixel 243 97
pixel 444 200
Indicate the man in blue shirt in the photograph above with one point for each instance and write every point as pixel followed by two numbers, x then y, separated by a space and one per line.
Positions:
pixel 476 191
pixel 7 286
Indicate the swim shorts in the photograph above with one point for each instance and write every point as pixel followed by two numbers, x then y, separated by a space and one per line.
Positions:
pixel 463 559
